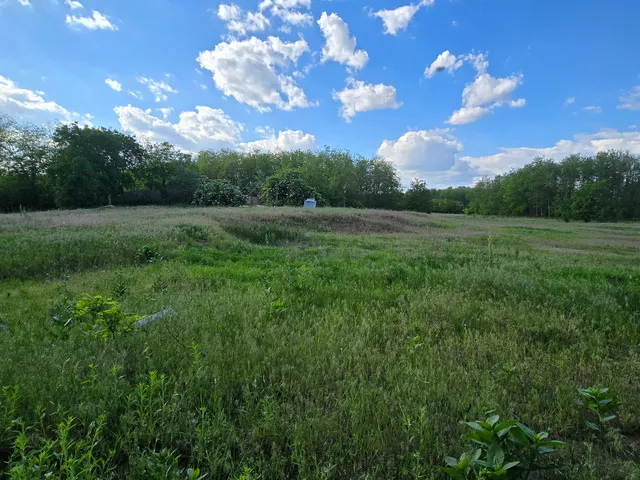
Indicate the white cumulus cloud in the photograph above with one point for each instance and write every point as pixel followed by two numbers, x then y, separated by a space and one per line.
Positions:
pixel 254 72
pixel 73 4
pixel 569 101
pixel 204 128
pixel 339 45
pixel 24 3
pixel 23 102
pixel 445 61
pixel 363 97
pixel 450 62
pixel 114 84
pixel 238 21
pixel 159 89
pixel 294 17
pixel 583 144
pixel 96 21
pixel 399 18
pixel 431 155
pixel 289 4
pixel 286 140
pixel 485 94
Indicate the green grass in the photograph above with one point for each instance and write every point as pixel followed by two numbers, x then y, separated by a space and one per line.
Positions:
pixel 312 344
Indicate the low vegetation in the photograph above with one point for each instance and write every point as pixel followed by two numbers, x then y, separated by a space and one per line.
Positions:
pixel 328 343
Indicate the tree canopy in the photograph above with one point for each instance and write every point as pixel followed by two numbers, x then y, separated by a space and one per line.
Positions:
pixel 75 166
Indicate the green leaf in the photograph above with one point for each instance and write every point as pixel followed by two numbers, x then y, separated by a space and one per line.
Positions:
pixel 493 420
pixel 476 455
pixel 452 462
pixel 509 465
pixel 608 419
pixel 495 455
pixel 591 425
pixel 474 425
pixel 518 436
pixel 543 450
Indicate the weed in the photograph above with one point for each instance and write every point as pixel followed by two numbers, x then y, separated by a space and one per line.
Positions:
pixel 507 449
pixel 147 254
pixel 600 403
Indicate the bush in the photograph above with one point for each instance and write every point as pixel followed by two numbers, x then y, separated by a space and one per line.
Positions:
pixel 288 188
pixel 217 193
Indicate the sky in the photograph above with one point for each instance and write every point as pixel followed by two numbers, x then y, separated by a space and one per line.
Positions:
pixel 448 90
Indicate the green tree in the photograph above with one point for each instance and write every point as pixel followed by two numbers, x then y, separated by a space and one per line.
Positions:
pixel 25 152
pixel 288 188
pixel 90 164
pixel 418 197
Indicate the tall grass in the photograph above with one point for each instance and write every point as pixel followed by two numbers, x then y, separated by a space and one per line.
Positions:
pixel 345 355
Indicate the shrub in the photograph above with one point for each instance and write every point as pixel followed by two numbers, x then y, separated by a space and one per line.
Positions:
pixel 217 193
pixel 288 188
pixel 507 449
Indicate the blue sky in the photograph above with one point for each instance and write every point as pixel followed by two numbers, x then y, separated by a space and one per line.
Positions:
pixel 449 90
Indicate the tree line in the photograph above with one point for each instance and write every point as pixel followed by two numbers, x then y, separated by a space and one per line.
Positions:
pixel 603 187
pixel 73 166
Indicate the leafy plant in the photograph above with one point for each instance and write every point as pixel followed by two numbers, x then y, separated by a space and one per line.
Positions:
pixel 147 254
pixel 507 449
pixel 101 316
pixel 65 456
pixel 600 402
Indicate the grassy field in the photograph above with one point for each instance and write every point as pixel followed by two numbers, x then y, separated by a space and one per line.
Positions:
pixel 310 344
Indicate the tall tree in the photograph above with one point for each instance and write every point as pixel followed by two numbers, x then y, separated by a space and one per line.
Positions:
pixel 25 152
pixel 91 163
pixel 418 197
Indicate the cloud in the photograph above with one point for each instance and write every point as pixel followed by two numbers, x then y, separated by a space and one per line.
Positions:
pixel 117 86
pixel 485 94
pixel 204 128
pixel 399 18
pixel 631 99
pixel 583 144
pixel 363 97
pixel 165 112
pixel 293 17
pixel 450 62
pixel 339 46
pixel 74 4
pixel 253 71
pixel 24 3
pixel 445 61
pixel 238 21
pixel 466 115
pixel 593 108
pixel 97 21
pixel 136 95
pixel 158 89
pixel 569 101
pixel 284 4
pixel 431 155
pixel 287 140
pixel 434 155
pixel 23 102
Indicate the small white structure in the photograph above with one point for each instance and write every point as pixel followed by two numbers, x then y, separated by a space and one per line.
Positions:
pixel 310 203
